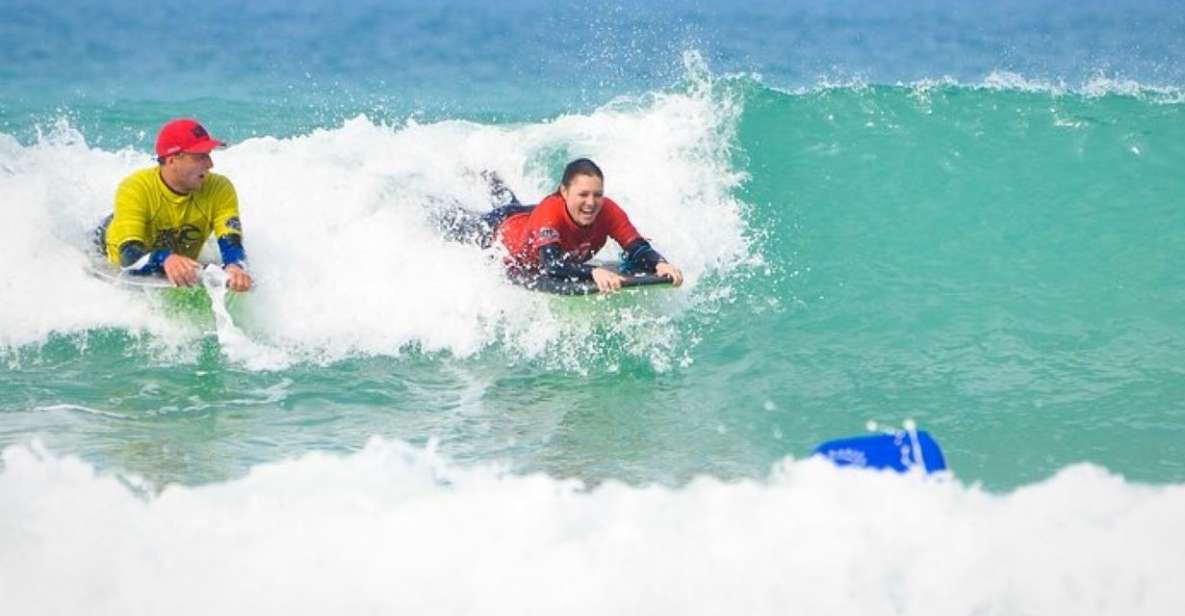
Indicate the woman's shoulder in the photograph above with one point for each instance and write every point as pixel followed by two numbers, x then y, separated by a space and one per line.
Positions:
pixel 550 206
pixel 551 200
pixel 611 211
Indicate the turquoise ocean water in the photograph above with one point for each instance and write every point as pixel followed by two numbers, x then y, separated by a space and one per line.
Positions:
pixel 967 217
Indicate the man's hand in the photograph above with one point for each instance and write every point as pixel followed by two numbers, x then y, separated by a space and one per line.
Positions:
pixel 237 279
pixel 670 271
pixel 607 281
pixel 181 270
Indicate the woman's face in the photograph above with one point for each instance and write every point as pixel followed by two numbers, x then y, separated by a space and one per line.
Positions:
pixel 584 197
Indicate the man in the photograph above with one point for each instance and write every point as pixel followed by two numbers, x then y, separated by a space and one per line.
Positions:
pixel 164 214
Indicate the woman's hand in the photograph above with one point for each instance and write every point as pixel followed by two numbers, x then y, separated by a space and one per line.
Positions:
pixel 670 271
pixel 607 281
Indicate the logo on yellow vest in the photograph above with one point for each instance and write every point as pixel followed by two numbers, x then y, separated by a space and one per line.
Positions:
pixel 182 240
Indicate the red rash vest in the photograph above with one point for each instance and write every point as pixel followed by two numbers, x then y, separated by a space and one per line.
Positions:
pixel 524 234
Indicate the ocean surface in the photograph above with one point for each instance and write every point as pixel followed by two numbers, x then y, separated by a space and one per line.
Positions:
pixel 968 217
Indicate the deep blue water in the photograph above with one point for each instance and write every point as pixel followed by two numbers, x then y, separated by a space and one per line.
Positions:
pixel 292 65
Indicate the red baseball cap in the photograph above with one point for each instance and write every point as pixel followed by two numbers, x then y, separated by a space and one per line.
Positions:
pixel 184 135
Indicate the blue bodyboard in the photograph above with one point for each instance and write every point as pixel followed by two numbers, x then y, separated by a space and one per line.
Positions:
pixel 899 451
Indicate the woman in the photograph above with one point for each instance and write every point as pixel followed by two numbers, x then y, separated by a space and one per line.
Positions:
pixel 557 237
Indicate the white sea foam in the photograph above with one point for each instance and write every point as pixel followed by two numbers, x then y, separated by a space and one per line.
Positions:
pixel 338 231
pixel 393 529
pixel 1097 86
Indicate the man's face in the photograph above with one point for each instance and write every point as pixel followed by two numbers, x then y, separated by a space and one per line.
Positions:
pixel 189 171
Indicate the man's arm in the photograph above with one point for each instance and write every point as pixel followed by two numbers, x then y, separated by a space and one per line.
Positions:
pixel 229 231
pixel 231 248
pixel 128 231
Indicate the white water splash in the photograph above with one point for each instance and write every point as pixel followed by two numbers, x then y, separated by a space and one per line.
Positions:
pixel 394 529
pixel 234 343
pixel 337 222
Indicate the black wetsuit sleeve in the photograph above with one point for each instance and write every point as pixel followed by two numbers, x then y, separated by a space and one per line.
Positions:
pixel 230 246
pixel 552 263
pixel 134 258
pixel 641 256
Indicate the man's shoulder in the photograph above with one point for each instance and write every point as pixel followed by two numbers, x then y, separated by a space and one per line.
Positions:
pixel 142 178
pixel 218 188
pixel 216 182
pixel 218 178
